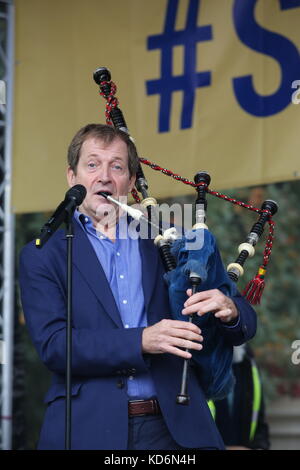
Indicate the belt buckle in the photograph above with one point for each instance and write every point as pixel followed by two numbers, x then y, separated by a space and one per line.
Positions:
pixel 133 402
pixel 150 400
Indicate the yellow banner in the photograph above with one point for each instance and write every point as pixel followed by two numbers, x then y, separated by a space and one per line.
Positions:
pixel 203 85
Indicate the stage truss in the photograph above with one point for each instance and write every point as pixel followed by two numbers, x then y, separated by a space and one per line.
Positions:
pixel 6 220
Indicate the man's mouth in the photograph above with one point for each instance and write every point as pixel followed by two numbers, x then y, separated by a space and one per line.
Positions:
pixel 104 193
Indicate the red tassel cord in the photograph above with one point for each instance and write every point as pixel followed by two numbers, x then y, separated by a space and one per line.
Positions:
pixel 111 100
pixel 254 289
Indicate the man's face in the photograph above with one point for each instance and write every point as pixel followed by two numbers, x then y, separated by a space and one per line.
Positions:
pixel 101 167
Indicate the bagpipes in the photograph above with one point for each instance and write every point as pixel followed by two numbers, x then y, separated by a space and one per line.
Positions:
pixel 198 268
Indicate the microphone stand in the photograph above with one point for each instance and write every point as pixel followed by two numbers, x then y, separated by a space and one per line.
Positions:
pixel 68 409
pixel 64 213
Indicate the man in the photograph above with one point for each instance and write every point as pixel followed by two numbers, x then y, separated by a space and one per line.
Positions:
pixel 240 417
pixel 127 351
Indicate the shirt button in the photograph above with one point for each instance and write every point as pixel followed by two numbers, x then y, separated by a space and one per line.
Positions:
pixel 86 219
pixel 118 254
pixel 126 326
pixel 124 301
pixel 121 276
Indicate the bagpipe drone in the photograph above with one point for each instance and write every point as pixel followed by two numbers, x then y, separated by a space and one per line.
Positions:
pixel 199 269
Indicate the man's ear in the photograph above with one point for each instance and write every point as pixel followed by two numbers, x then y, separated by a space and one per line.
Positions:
pixel 70 177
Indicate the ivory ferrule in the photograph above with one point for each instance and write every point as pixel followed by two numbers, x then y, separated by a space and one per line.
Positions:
pixel 236 269
pixel 247 247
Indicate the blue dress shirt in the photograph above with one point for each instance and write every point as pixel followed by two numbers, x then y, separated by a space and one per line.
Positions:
pixel 121 262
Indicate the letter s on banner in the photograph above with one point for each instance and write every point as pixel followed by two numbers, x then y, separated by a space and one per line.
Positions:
pixel 273 45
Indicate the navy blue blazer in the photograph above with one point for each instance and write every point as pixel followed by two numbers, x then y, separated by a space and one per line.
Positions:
pixel 104 351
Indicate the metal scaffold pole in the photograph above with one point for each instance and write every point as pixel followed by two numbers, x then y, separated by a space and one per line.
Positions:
pixel 6 220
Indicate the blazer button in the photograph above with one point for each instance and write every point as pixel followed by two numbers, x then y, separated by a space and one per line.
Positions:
pixel 120 383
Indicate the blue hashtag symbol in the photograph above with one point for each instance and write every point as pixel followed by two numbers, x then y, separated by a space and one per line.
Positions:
pixel 191 79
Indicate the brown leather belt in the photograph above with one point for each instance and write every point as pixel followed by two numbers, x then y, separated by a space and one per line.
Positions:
pixel 143 407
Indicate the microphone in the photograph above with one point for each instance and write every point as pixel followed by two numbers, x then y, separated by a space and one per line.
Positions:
pixel 73 198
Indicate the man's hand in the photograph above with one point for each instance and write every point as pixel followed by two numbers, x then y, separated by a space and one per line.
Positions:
pixel 210 301
pixel 169 336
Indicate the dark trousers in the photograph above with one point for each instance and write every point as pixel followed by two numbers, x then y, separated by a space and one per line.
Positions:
pixel 149 433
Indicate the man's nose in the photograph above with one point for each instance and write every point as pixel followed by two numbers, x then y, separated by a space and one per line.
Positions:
pixel 104 175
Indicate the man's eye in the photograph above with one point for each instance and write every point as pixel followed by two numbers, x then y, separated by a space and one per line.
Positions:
pixel 117 167
pixel 91 165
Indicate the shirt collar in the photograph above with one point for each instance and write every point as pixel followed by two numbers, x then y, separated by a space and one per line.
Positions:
pixel 83 220
pixel 86 223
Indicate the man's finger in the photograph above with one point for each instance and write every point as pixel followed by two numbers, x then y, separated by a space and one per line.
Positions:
pixel 202 296
pixel 186 335
pixel 202 308
pixel 183 325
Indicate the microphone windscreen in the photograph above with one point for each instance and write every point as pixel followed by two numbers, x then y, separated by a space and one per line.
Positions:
pixel 77 192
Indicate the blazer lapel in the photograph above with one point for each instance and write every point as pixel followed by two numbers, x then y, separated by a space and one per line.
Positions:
pixel 85 259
